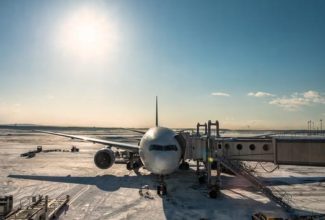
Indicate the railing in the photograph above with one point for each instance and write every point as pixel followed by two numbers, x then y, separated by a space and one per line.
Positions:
pixel 279 196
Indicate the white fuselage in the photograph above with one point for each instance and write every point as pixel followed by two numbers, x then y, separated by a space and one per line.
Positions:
pixel 159 150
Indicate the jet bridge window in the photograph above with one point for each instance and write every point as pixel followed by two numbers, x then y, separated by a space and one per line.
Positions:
pixel 156 147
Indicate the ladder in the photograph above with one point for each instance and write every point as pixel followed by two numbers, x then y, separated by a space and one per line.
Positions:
pixel 279 196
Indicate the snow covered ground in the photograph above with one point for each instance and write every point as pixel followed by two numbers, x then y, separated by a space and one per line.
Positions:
pixel 114 193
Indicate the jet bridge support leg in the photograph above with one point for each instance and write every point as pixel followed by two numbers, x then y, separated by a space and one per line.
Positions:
pixel 218 182
pixel 198 167
pixel 213 186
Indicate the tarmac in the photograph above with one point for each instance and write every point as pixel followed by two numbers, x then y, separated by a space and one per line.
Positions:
pixel 114 193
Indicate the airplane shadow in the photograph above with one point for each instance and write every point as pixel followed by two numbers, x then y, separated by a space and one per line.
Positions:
pixel 282 181
pixel 103 182
pixel 186 197
pixel 290 180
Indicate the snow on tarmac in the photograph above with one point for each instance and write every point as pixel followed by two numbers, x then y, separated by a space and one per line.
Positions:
pixel 114 193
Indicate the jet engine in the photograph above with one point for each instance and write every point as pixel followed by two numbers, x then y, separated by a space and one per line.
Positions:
pixel 104 158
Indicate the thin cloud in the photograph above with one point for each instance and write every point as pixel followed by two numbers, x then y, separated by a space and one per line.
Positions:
pixel 314 96
pixel 298 100
pixel 220 94
pixel 260 94
pixel 290 104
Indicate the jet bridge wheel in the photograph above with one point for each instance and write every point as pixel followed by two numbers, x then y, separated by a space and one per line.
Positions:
pixel 213 193
pixel 202 178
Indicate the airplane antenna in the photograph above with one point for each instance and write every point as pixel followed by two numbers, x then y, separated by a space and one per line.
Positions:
pixel 156 111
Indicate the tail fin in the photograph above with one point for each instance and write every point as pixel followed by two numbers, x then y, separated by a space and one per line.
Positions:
pixel 156 111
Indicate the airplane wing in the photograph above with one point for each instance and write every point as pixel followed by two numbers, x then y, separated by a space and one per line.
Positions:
pixel 134 130
pixel 123 146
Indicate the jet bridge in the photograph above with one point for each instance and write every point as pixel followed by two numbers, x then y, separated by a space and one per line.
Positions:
pixel 228 152
pixel 280 150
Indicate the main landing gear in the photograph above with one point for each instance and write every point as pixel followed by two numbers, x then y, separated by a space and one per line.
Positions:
pixel 162 187
pixel 134 163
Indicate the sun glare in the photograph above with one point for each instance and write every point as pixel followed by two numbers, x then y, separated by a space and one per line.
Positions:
pixel 88 34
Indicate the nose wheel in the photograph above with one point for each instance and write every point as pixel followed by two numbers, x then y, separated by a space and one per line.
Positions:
pixel 162 187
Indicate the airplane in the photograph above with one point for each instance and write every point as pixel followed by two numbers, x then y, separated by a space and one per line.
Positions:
pixel 160 151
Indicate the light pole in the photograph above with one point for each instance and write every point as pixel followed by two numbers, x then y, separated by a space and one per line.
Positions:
pixel 309 127
pixel 321 126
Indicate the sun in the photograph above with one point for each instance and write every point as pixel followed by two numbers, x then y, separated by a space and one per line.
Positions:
pixel 88 33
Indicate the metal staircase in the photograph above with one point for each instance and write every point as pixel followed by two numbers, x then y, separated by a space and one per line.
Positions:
pixel 279 196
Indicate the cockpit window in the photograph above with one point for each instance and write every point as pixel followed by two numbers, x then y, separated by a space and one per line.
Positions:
pixel 157 147
pixel 170 148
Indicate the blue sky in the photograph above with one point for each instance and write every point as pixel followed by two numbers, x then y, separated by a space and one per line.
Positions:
pixel 249 64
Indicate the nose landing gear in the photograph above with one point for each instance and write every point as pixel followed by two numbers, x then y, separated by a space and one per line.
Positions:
pixel 162 187
pixel 162 190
